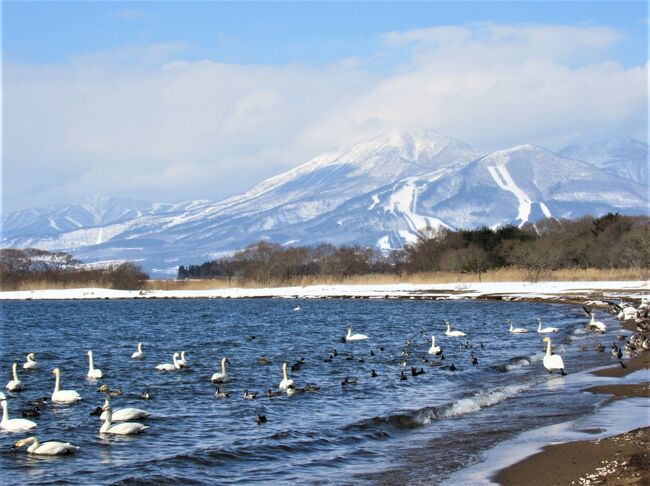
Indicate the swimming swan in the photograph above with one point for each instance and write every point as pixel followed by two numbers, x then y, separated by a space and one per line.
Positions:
pixel 13 425
pixel 122 414
pixel 139 354
pixel 516 330
pixel 595 325
pixel 49 448
pixel 354 337
pixel 182 361
pixel 93 372
pixel 223 376
pixel 434 349
pixel 546 330
pixel 286 382
pixel 125 428
pixel 15 384
pixel 451 333
pixel 169 366
pixel 63 396
pixel 31 362
pixel 552 361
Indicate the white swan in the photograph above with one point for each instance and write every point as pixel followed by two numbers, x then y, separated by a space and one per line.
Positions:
pixel 139 354
pixel 286 382
pixel 92 371
pixel 354 337
pixel 546 330
pixel 223 376
pixel 122 414
pixel 31 362
pixel 49 448
pixel 297 309
pixel 125 428
pixel 595 325
pixel 13 425
pixel 516 330
pixel 434 349
pixel 63 396
pixel 169 366
pixel 552 361
pixel 182 361
pixel 15 384
pixel 451 333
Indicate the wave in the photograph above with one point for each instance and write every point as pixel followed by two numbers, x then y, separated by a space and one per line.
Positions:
pixel 426 415
pixel 518 362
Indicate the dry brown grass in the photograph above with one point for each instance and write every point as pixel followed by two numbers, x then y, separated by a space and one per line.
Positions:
pixel 499 275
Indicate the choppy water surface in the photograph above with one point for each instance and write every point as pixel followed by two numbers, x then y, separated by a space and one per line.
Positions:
pixel 381 430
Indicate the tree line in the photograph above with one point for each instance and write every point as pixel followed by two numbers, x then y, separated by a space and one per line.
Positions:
pixel 610 241
pixel 31 266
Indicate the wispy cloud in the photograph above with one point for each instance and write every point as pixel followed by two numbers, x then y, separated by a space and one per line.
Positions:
pixel 171 129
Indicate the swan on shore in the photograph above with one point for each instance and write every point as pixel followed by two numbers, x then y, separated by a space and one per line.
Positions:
pixel 125 428
pixel 31 362
pixel 139 354
pixel 13 425
pixel 354 337
pixel 516 330
pixel 223 376
pixel 121 414
pixel 435 350
pixel 63 396
pixel 451 333
pixel 93 373
pixel 169 366
pixel 286 382
pixel 15 384
pixel 552 361
pixel 596 326
pixel 49 448
pixel 546 330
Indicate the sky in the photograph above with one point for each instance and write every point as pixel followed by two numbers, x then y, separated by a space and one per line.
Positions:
pixel 170 101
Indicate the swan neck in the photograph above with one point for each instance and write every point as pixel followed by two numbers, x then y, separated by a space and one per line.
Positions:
pixel 90 361
pixel 139 347
pixel 5 411
pixel 284 371
pixel 548 348
pixel 14 367
pixel 57 381
pixel 35 443
pixel 223 366
pixel 433 341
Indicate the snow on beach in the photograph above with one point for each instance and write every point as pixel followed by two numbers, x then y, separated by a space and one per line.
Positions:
pixel 505 290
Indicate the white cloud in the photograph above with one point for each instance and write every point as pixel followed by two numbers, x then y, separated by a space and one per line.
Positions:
pixel 174 130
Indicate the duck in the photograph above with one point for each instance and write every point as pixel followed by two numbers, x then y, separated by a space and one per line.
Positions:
pixel 249 395
pixel 145 395
pixel 354 337
pixel 169 366
pixel 435 350
pixel 311 387
pixel 292 390
pixel 31 363
pixel 552 361
pixel 474 359
pixel 221 394
pixel 452 367
pixel 139 354
pixel 182 362
pixel 93 373
pixel 125 428
pixel 451 333
pixel 13 425
pixel 264 361
pixel 49 448
pixel 298 364
pixel 260 419
pixel 122 414
pixel 270 393
pixel 286 382
pixel 63 396
pixel 32 412
pixel 596 326
pixel 373 373
pixel 546 330
pixel 516 330
pixel 15 385
pixel 223 376
pixel 349 380
pixel 402 376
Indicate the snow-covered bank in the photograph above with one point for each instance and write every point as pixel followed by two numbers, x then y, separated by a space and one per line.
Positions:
pixel 505 290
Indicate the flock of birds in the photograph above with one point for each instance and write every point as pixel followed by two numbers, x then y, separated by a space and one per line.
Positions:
pixel 121 421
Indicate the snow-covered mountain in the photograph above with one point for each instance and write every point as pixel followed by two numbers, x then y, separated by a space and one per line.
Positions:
pixel 382 192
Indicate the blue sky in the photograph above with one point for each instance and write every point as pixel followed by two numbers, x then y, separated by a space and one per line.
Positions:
pixel 172 101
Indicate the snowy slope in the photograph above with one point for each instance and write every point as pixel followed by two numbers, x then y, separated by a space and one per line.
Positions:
pixel 382 192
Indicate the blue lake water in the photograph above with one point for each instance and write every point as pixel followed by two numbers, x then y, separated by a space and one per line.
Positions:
pixel 381 430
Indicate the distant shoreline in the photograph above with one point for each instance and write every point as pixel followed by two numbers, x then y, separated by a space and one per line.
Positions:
pixel 559 292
